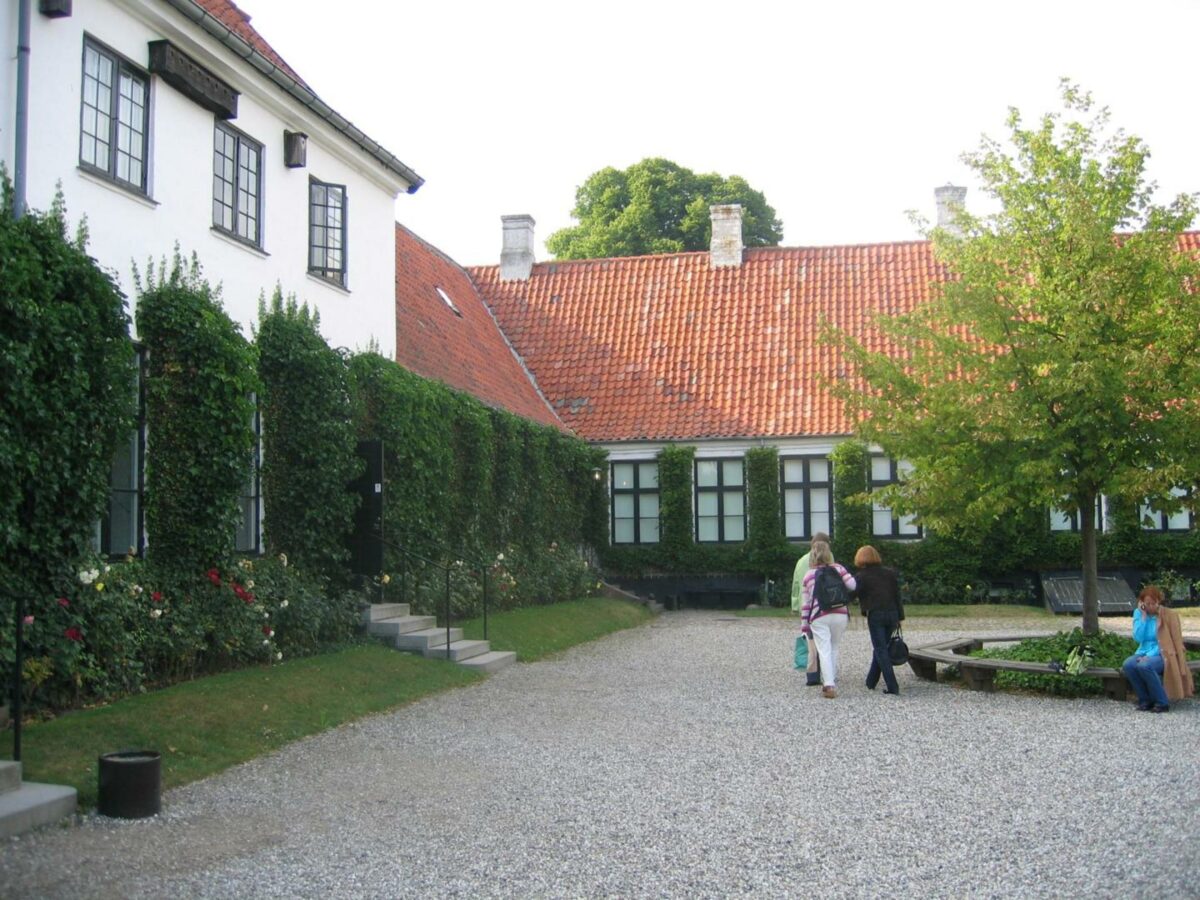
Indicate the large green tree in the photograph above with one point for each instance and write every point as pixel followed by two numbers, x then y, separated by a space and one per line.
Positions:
pixel 657 206
pixel 1059 360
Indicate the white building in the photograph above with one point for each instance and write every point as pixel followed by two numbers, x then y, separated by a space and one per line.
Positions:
pixel 172 122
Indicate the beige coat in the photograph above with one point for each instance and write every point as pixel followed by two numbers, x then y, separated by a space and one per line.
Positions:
pixel 1177 677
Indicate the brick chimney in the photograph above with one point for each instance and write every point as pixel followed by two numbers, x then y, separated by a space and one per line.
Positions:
pixel 726 247
pixel 516 256
pixel 949 202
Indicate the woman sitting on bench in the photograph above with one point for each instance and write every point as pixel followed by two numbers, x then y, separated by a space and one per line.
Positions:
pixel 1158 669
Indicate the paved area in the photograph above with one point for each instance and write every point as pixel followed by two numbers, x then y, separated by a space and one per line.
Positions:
pixel 681 759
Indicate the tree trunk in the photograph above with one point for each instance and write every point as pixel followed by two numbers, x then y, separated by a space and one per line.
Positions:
pixel 1091 590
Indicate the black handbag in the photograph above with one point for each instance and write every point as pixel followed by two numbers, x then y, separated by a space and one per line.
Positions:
pixel 897 649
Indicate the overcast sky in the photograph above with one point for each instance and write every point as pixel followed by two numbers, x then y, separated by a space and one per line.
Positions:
pixel 845 115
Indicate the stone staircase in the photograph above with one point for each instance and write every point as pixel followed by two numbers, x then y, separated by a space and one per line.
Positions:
pixel 25 805
pixel 420 634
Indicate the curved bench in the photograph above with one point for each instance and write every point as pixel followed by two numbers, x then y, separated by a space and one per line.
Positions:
pixel 979 674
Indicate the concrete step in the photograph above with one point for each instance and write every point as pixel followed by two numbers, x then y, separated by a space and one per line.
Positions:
pixel 10 776
pixel 426 638
pixel 31 805
pixel 401 625
pixel 492 661
pixel 377 611
pixel 459 650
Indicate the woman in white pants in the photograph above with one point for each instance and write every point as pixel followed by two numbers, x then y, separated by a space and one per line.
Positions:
pixel 825 624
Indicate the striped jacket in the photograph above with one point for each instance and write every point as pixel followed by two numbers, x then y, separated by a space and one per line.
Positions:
pixel 811 610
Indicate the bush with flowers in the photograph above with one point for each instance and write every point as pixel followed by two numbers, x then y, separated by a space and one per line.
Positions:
pixel 112 629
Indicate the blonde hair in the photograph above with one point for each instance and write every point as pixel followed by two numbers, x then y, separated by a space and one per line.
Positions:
pixel 867 556
pixel 821 554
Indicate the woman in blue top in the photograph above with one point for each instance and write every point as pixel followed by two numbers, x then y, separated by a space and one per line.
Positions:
pixel 1144 669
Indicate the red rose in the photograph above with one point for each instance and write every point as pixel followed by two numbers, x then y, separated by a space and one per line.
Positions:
pixel 73 634
pixel 64 602
pixel 214 576
pixel 156 597
pixel 267 630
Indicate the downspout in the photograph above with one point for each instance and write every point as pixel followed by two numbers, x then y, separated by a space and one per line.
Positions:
pixel 21 127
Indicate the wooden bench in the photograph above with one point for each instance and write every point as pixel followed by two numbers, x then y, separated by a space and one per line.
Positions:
pixel 979 674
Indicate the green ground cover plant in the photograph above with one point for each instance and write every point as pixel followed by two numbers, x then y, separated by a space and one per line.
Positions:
pixel 205 726
pixel 537 632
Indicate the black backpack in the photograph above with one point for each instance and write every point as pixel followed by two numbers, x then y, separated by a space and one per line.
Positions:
pixel 828 589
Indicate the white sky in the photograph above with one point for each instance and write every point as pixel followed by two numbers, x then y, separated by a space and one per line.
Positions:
pixel 844 114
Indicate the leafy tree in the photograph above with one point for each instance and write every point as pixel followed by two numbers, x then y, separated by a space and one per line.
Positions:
pixel 1059 361
pixel 657 206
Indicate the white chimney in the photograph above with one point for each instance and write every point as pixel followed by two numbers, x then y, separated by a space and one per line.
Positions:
pixel 516 256
pixel 726 247
pixel 949 202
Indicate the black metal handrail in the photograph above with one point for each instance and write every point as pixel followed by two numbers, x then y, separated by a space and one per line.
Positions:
pixel 447 567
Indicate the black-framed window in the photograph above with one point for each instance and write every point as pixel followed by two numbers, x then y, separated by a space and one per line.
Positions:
pixel 720 500
pixel 1156 520
pixel 634 502
pixel 1061 520
pixel 247 538
pixel 884 523
pixel 327 231
pixel 237 184
pixel 114 116
pixel 806 487
pixel 121 530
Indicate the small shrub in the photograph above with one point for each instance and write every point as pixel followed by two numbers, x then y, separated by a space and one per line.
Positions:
pixel 1104 650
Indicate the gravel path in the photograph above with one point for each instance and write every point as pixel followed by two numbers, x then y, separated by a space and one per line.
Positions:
pixel 682 759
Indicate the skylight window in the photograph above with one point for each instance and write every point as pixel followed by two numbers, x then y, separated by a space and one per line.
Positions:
pixel 450 303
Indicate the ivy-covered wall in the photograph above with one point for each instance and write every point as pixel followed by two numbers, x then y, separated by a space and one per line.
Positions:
pixel 940 568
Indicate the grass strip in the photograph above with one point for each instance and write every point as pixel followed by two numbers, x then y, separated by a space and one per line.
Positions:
pixel 204 726
pixel 535 632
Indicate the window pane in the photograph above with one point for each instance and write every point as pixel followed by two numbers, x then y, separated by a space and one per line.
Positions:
pixel 1059 520
pixel 623 506
pixel 881 521
pixel 706 504
pixel 648 475
pixel 735 528
pixel 731 470
pixel 623 475
pixel 648 505
pixel 1179 521
pixel 734 503
pixel 122 534
pixel 793 471
pixel 903 469
pixel 649 531
pixel 793 501
pixel 821 522
pixel 908 525
pixel 881 468
pixel 793 524
pixel 623 531
pixel 706 529
pixel 819 498
pixel 818 470
pixel 706 473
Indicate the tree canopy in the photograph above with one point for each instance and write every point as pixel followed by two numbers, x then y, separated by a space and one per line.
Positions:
pixel 1059 361
pixel 657 206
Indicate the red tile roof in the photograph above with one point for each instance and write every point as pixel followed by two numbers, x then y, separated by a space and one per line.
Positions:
pixel 669 348
pixel 464 350
pixel 229 15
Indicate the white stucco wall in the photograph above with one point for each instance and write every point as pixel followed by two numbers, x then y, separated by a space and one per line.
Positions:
pixel 126 229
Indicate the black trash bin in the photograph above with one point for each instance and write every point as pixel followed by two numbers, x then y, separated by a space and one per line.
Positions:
pixel 130 784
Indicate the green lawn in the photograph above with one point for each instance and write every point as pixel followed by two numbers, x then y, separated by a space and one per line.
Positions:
pixel 204 726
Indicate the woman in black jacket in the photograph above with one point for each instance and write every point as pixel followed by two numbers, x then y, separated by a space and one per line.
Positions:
pixel 878 593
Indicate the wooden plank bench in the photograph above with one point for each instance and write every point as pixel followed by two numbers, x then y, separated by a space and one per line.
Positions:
pixel 979 674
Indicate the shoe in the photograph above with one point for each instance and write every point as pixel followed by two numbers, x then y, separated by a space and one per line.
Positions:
pixel 813 679
pixel 1143 707
pixel 829 692
pixel 871 687
pixel 1158 707
pixel 890 691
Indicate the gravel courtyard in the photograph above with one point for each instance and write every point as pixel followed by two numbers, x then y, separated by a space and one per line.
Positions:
pixel 681 759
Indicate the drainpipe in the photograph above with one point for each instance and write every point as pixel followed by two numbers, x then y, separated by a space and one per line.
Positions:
pixel 22 124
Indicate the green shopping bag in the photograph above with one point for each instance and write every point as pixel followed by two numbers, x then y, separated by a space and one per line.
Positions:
pixel 801 653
